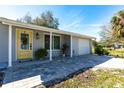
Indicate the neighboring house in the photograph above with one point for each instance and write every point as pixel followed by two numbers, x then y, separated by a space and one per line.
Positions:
pixel 118 46
pixel 12 34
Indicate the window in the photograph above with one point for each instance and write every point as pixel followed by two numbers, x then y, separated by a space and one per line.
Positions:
pixel 55 42
pixel 47 41
pixel 24 41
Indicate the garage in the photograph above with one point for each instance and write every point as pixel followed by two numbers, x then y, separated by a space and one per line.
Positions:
pixel 84 46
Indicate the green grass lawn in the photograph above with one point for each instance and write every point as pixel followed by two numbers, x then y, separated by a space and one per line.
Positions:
pixel 117 52
pixel 95 79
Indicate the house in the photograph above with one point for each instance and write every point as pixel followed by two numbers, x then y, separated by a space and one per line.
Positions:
pixel 118 46
pixel 12 49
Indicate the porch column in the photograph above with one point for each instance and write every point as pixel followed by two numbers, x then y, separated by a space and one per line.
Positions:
pixel 71 50
pixel 10 47
pixel 50 46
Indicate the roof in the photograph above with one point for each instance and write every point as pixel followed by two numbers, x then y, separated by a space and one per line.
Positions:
pixel 35 27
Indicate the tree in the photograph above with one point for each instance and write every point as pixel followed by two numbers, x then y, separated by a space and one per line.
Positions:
pixel 117 23
pixel 114 32
pixel 26 19
pixel 45 19
pixel 106 35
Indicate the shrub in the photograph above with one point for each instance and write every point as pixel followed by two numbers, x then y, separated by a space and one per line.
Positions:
pixel 100 50
pixel 94 43
pixel 40 53
pixel 106 52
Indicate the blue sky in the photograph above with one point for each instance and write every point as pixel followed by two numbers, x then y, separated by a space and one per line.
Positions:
pixel 80 19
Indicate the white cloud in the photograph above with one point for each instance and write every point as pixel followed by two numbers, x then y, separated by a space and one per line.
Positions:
pixel 89 29
pixel 94 25
pixel 79 23
pixel 74 23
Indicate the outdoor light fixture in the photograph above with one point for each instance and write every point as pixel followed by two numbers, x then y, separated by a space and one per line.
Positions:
pixel 37 35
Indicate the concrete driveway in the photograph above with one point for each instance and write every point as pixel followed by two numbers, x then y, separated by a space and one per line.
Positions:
pixel 35 73
pixel 116 63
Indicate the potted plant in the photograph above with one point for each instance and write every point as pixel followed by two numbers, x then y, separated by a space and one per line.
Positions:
pixel 64 49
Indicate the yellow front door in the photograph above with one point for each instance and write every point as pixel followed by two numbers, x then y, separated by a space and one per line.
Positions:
pixel 24 44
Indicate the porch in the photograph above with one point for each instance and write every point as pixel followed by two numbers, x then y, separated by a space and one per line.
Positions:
pixel 42 72
pixel 35 40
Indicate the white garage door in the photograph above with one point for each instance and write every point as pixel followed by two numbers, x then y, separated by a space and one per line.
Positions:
pixel 84 47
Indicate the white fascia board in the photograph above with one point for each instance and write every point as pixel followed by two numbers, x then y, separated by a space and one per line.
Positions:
pixel 35 27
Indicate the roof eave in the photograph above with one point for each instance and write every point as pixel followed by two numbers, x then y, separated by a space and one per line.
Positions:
pixel 35 27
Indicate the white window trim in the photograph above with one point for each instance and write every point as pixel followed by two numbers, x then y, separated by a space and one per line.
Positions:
pixel 52 42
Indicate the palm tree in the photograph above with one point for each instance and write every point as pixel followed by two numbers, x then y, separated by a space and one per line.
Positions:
pixel 117 24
